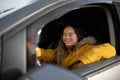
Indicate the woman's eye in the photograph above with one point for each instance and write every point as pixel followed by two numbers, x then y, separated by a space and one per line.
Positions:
pixel 64 35
pixel 71 34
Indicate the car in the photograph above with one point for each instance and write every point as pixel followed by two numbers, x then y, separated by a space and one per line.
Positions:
pixel 39 23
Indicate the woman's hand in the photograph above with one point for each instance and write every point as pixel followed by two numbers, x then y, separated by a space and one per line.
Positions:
pixel 31 47
pixel 80 64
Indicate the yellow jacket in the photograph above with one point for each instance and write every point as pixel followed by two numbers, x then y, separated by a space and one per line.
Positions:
pixel 87 53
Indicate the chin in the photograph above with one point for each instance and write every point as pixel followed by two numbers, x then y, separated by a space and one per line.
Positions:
pixel 68 45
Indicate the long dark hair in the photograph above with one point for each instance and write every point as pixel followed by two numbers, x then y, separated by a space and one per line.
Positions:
pixel 62 51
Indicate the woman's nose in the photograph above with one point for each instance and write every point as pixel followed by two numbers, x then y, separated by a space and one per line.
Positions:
pixel 67 36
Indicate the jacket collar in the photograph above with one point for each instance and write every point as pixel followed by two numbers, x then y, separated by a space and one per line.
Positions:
pixel 87 40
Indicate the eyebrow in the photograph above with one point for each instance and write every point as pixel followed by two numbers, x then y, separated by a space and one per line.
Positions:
pixel 69 33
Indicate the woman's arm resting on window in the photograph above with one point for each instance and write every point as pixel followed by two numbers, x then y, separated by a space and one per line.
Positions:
pixel 80 64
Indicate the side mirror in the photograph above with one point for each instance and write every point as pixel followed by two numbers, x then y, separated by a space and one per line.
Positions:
pixel 50 72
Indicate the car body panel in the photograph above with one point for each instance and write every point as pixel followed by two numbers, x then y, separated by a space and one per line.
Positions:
pixel 31 18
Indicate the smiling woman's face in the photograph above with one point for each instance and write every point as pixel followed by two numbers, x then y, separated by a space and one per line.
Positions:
pixel 69 36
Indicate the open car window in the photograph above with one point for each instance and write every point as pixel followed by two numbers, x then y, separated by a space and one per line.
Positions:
pixel 91 20
pixel 94 20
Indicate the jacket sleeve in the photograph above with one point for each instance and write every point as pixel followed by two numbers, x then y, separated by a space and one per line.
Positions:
pixel 98 52
pixel 45 55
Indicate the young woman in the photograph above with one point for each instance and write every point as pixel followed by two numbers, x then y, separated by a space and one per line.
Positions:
pixel 75 51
